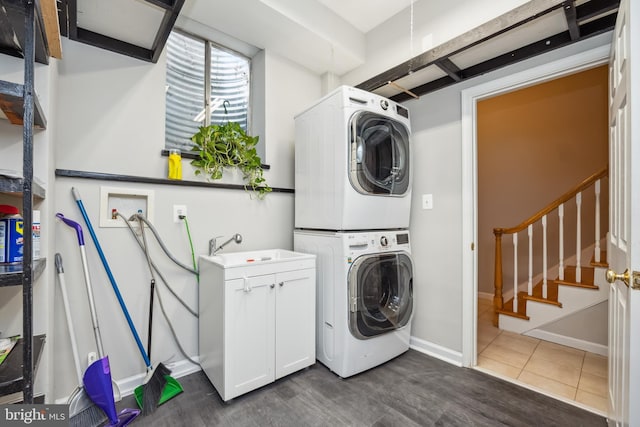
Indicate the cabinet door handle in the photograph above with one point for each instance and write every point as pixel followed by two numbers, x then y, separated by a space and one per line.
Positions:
pixel 273 285
pixel 281 284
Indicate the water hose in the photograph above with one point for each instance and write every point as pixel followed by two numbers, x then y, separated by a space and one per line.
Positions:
pixel 160 303
pixel 157 270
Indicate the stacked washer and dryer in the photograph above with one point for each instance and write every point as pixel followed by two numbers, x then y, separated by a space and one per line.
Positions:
pixel 352 206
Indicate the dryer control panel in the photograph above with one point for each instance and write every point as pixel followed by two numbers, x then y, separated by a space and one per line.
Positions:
pixel 382 241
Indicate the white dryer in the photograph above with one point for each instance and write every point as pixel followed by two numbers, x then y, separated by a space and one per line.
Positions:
pixel 352 163
pixel 364 296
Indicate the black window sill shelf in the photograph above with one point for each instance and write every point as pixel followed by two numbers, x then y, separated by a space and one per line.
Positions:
pixel 146 180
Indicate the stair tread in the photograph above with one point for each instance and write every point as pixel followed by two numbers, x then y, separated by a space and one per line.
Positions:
pixel 570 277
pixel 603 263
pixel 536 294
pixel 521 313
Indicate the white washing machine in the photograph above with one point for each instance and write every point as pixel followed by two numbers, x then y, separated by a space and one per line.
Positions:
pixel 364 296
pixel 352 163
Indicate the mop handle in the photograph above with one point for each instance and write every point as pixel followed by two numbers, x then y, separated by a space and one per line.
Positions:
pixel 87 282
pixel 114 285
pixel 67 312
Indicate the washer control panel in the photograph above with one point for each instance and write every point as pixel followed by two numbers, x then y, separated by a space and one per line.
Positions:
pixel 379 241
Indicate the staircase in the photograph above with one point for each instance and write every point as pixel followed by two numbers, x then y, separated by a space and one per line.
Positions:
pixel 564 288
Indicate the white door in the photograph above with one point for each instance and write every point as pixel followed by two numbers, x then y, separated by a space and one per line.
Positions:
pixel 295 321
pixel 624 229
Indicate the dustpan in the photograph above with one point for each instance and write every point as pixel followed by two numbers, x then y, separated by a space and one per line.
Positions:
pixel 97 383
pixel 171 389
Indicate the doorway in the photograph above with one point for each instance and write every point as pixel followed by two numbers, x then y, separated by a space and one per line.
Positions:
pixel 470 98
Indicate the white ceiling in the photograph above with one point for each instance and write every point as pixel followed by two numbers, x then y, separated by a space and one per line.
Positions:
pixel 322 35
pixel 366 14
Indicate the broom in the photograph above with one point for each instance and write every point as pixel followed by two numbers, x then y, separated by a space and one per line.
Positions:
pixel 83 412
pixel 155 379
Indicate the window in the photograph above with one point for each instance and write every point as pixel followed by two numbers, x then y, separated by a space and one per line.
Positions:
pixel 197 71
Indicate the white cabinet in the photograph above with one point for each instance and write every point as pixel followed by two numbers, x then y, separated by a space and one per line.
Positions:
pixel 257 320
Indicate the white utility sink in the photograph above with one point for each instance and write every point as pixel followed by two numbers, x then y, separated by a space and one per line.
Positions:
pixel 237 259
pixel 257 317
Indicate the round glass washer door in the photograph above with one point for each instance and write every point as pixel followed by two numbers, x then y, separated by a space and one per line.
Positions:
pixel 380 293
pixel 379 155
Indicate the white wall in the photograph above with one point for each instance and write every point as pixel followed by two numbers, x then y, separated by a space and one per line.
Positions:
pixel 111 119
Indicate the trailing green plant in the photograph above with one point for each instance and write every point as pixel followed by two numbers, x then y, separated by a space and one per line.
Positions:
pixel 228 145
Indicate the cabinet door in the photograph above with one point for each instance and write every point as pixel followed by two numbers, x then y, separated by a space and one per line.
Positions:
pixel 295 321
pixel 249 326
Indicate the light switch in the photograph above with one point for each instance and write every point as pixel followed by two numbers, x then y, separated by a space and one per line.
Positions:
pixel 427 201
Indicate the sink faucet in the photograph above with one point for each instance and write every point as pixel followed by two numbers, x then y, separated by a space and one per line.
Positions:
pixel 212 243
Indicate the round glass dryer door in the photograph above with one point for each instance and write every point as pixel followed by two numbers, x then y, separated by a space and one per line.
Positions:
pixel 379 155
pixel 380 293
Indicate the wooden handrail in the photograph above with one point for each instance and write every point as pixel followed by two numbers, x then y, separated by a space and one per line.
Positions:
pixel 553 205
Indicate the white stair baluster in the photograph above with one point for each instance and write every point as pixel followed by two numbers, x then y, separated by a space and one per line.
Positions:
pixel 530 282
pixel 515 272
pixel 578 237
pixel 544 256
pixel 561 242
pixel 596 251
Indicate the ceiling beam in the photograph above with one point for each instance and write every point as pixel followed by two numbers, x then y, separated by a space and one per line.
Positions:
pixel 595 8
pixel 114 45
pixel 164 4
pixel 168 21
pixel 572 20
pixel 508 21
pixel 446 65
pixel 590 29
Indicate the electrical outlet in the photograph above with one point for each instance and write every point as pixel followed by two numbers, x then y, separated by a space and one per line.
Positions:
pixel 178 211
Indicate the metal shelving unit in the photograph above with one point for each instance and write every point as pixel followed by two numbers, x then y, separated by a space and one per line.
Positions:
pixel 22 34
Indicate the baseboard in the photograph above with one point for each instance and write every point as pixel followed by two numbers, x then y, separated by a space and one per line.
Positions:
pixel 485 295
pixel 178 369
pixel 591 347
pixel 437 351
pixel 128 385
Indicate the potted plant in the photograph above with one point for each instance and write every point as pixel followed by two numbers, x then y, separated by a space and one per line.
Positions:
pixel 228 145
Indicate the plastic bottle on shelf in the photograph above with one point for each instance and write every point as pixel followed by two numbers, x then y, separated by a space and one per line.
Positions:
pixel 12 228
pixel 35 233
pixel 175 164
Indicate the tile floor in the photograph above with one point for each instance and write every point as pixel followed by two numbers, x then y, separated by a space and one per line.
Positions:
pixel 557 370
